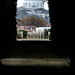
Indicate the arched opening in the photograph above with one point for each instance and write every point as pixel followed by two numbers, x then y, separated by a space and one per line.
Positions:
pixel 31 48
pixel 33 16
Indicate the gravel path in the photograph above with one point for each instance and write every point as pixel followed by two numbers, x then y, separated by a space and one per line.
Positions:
pixel 57 62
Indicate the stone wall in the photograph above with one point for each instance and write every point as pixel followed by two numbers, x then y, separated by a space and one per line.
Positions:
pixel 62 31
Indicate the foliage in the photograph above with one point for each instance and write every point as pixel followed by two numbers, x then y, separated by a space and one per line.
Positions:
pixel 24 33
pixel 46 33
pixel 32 21
pixel 18 35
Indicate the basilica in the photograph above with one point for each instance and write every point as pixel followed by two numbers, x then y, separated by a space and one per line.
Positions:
pixel 33 4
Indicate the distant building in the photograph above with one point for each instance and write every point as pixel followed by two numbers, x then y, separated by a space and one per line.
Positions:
pixel 33 8
pixel 33 28
pixel 41 29
pixel 33 4
pixel 33 31
pixel 27 28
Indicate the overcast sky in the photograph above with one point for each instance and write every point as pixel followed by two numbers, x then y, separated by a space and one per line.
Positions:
pixel 20 3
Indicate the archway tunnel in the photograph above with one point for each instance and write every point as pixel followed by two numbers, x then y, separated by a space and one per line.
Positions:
pixel 59 44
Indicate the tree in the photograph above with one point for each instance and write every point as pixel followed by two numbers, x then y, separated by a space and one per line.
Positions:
pixel 18 35
pixel 46 33
pixel 24 33
pixel 33 21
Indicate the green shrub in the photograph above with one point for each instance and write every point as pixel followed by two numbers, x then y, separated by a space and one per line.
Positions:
pixel 24 33
pixel 18 35
pixel 46 33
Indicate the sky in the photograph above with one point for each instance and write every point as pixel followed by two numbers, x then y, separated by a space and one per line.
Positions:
pixel 20 3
